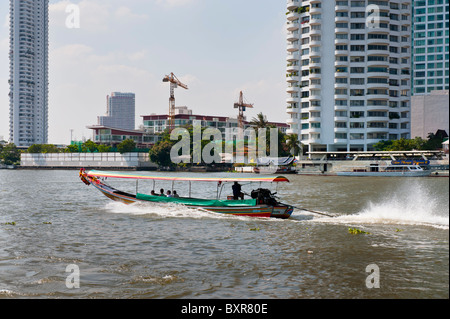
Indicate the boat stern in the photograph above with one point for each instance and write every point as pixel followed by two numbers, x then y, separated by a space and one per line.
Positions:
pixel 282 212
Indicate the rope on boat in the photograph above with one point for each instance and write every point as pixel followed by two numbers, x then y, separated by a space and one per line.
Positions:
pixel 301 208
pixel 310 211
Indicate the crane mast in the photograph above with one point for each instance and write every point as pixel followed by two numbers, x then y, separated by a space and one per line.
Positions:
pixel 174 83
pixel 242 108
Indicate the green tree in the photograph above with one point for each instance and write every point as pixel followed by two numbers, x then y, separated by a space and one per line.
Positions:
pixel 42 148
pixel 293 143
pixel 434 142
pixel 49 148
pixel 160 154
pixel 104 148
pixel 259 121
pixel 10 154
pixel 35 149
pixel 382 145
pixel 89 146
pixel 71 149
pixel 126 146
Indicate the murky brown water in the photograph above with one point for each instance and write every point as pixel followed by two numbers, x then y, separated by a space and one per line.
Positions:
pixel 50 220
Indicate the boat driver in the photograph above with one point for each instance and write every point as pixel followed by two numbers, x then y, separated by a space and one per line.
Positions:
pixel 237 191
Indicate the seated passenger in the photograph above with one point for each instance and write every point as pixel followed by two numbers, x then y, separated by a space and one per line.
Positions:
pixel 175 194
pixel 169 194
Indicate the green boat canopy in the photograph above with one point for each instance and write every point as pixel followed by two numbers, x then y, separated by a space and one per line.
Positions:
pixel 197 201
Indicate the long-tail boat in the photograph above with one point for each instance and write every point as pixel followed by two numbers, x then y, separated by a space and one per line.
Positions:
pixel 263 202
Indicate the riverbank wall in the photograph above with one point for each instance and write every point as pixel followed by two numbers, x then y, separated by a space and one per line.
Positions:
pixel 116 161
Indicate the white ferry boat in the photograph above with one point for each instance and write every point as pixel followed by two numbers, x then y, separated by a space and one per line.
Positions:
pixel 387 171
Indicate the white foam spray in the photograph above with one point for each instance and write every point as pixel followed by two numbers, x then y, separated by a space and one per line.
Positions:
pixel 164 211
pixel 411 204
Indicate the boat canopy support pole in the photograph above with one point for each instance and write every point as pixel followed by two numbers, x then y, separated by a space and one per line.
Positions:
pixel 189 189
pixel 220 192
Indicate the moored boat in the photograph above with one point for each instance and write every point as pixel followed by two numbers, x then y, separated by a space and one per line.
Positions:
pixel 262 203
pixel 387 171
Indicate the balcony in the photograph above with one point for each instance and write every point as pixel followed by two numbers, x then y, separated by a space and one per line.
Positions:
pixel 293 4
pixel 290 131
pixel 292 110
pixel 316 130
pixel 292 89
pixel 341 108
pixel 293 16
pixel 292 100
pixel 293 26
pixel 292 78
pixel 293 36
pixel 293 57
pixel 291 121
pixel 340 141
pixel 293 47
pixel 292 68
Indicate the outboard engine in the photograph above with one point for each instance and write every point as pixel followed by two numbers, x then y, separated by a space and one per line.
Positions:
pixel 264 196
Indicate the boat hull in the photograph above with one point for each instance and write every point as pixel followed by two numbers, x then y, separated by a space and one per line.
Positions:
pixel 265 211
pixel 386 174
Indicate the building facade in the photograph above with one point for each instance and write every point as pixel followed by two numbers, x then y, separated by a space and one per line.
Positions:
pixel 156 124
pixel 28 72
pixel 120 111
pixel 348 72
pixel 430 113
pixel 430 46
pixel 111 136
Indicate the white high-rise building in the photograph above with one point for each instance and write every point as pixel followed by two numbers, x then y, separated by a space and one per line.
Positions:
pixel 348 72
pixel 120 111
pixel 28 72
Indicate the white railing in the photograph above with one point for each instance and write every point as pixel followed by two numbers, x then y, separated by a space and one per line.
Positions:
pixel 127 160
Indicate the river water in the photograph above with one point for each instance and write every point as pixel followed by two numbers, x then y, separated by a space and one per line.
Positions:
pixel 56 232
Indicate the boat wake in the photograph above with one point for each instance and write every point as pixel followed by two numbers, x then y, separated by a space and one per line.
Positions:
pixel 157 210
pixel 165 211
pixel 406 207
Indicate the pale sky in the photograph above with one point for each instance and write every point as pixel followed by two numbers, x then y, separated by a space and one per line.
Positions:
pixel 216 47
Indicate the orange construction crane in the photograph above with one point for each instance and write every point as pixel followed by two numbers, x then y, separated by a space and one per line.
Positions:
pixel 242 108
pixel 174 83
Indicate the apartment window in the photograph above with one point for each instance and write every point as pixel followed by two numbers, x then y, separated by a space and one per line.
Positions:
pixel 356 70
pixel 357 125
pixel 357 37
pixel 357 59
pixel 357 26
pixel 341 47
pixel 341 136
pixel 357 103
pixel 357 81
pixel 360 48
pixel 357 92
pixel 377 114
pixel 340 113
pixel 356 136
pixel 358 15
pixel 357 114
pixel 340 124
